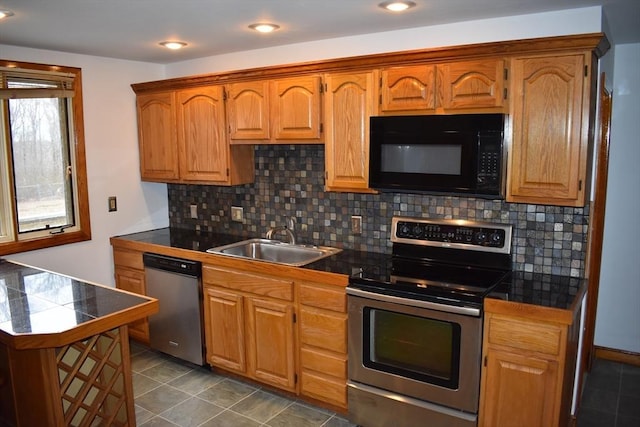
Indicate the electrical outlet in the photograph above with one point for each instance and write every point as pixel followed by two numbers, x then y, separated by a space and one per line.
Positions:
pixel 194 211
pixel 356 224
pixel 237 213
pixel 113 204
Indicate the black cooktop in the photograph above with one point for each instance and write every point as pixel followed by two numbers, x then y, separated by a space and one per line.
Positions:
pixel 442 265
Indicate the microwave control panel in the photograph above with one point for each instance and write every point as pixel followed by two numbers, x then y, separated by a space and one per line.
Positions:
pixel 489 159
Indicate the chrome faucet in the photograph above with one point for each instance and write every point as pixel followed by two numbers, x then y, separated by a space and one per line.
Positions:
pixel 289 230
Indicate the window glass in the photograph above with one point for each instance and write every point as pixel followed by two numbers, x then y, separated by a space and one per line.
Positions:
pixel 41 161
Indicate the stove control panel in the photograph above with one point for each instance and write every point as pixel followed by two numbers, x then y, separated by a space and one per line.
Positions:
pixel 460 234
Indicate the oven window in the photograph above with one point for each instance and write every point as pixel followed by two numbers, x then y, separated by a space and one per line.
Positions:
pixel 416 347
pixel 422 159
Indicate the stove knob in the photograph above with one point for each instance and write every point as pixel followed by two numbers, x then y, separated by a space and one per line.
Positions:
pixel 417 231
pixel 480 237
pixel 495 238
pixel 404 230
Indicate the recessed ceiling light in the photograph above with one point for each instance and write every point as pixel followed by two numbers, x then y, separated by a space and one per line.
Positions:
pixel 397 6
pixel 264 27
pixel 173 45
pixel 5 14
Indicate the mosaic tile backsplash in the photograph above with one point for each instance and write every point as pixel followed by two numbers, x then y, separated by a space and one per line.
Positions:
pixel 289 181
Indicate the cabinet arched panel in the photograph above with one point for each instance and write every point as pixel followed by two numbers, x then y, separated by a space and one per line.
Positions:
pixel 296 108
pixel 408 88
pixel 248 107
pixel 204 154
pixel 549 151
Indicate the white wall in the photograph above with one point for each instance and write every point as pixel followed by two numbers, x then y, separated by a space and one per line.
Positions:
pixel 618 314
pixel 112 163
pixel 574 21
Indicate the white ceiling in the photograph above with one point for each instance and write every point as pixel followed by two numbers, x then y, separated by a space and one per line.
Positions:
pixel 132 29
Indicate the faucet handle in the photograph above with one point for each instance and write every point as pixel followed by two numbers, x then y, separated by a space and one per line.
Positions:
pixel 291 223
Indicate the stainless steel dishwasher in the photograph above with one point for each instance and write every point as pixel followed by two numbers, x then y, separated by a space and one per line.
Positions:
pixel 177 327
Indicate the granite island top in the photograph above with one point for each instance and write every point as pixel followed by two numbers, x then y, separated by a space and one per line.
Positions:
pixel 40 309
pixel 536 289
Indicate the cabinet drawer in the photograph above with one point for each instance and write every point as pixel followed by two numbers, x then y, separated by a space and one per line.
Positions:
pixel 319 361
pixel 125 258
pixel 323 388
pixel 246 282
pixel 323 329
pixel 323 297
pixel 540 337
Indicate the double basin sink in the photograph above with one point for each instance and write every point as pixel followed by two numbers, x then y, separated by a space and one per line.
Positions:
pixel 275 251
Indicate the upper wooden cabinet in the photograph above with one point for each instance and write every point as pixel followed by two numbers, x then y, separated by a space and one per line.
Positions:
pixel 471 86
pixel 350 100
pixel 550 109
pixel 157 137
pixel 202 137
pixel 275 111
pixel 408 88
pixel 248 107
pixel 182 137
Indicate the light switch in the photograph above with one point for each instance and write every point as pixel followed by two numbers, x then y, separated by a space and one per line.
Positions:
pixel 194 211
pixel 113 204
pixel 356 224
pixel 237 213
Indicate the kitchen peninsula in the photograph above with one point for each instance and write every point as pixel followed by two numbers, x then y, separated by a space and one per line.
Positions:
pixel 64 350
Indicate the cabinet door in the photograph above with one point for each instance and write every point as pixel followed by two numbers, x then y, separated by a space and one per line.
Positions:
pixel 549 105
pixel 350 100
pixel 202 137
pixel 295 109
pixel 157 137
pixel 134 281
pixel 270 345
pixel 224 329
pixel 248 110
pixel 408 89
pixel 471 85
pixel 518 390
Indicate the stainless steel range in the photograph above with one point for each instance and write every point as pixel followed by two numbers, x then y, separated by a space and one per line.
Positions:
pixel 415 326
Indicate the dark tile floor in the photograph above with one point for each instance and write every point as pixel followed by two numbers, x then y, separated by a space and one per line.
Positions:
pixel 168 392
pixel 611 397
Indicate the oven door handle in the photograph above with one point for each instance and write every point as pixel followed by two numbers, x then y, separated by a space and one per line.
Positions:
pixel 467 311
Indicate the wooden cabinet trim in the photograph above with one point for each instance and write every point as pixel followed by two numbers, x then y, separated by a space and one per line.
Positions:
pixel 525 335
pixel 322 296
pixel 248 282
pixel 323 329
pixel 127 258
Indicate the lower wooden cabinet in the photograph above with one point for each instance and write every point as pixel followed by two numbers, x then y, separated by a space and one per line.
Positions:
pixel 323 342
pixel 527 374
pixel 290 334
pixel 224 330
pixel 270 342
pixel 249 325
pixel 520 390
pixel 129 276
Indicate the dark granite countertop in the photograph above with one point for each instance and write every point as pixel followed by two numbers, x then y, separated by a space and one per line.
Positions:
pixel 528 288
pixel 38 302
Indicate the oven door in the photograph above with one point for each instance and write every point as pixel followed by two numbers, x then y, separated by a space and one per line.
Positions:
pixel 426 351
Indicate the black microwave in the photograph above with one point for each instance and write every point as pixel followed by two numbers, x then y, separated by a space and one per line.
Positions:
pixel 441 154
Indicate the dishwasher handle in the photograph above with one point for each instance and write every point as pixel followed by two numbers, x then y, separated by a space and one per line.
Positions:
pixel 174 265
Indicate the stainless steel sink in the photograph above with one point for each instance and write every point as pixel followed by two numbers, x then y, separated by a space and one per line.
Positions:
pixel 275 251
